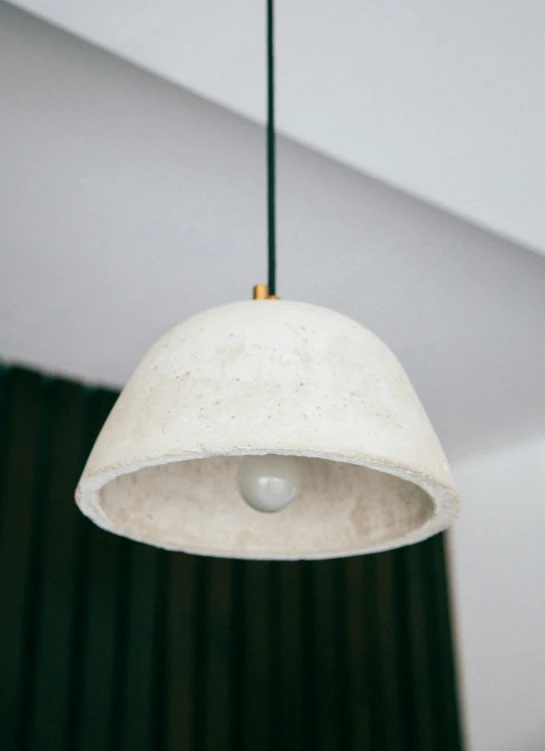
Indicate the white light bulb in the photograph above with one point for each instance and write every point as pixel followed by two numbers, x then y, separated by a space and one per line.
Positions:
pixel 270 482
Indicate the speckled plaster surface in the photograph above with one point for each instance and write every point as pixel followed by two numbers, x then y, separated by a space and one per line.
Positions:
pixel 269 377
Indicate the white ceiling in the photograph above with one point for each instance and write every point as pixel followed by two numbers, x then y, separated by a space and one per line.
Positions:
pixel 129 204
pixel 444 100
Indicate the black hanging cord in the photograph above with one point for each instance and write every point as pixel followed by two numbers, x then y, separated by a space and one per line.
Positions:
pixel 271 148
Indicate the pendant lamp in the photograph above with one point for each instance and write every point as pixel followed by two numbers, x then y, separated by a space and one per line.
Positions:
pixel 269 429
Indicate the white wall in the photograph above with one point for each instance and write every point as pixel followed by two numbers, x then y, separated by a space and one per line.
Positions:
pixel 499 579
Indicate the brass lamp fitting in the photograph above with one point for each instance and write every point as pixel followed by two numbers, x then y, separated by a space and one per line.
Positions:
pixel 261 292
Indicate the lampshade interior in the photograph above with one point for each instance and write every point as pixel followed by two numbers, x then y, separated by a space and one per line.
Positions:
pixel 195 505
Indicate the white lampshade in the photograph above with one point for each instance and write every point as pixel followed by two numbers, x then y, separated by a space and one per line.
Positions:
pixel 269 377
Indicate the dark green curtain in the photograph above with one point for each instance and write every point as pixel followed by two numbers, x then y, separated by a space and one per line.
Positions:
pixel 107 644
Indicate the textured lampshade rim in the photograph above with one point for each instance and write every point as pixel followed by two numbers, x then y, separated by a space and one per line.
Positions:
pixel 445 502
